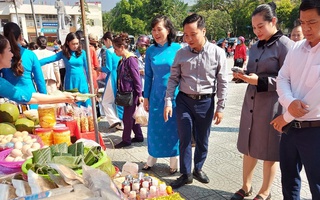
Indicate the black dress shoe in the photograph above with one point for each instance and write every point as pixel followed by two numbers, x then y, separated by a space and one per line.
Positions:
pixel 240 194
pixel 134 140
pixel 200 176
pixel 181 181
pixel 258 197
pixel 114 125
pixel 121 145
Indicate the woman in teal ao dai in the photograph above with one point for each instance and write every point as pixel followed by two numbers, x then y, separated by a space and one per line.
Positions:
pixel 75 61
pixel 25 71
pixel 162 136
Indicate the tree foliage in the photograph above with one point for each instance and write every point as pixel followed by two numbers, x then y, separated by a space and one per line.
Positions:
pixel 222 16
pixel 218 23
pixel 134 16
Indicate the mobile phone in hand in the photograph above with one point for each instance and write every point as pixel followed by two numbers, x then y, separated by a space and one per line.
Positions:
pixel 237 70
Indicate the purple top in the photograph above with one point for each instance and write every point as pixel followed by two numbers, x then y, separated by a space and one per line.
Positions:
pixel 129 76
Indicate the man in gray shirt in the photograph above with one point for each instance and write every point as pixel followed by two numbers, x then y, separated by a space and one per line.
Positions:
pixel 200 71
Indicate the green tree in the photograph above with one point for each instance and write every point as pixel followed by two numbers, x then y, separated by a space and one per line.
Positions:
pixel 88 21
pixel 218 23
pixel 125 17
pixel 176 10
pixel 106 21
pixel 284 10
pixel 134 16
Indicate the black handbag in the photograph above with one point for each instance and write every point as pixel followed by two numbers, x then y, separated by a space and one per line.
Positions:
pixel 124 98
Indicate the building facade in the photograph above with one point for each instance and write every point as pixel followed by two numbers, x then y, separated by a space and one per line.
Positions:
pixel 47 19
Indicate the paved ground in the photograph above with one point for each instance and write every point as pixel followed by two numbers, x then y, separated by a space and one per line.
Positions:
pixel 223 164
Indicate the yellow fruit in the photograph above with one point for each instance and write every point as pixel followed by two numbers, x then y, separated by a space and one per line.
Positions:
pixel 169 189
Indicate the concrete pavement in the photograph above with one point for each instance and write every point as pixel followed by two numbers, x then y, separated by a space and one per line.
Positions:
pixel 223 164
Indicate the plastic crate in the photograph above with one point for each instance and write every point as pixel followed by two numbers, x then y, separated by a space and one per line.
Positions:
pixel 92 136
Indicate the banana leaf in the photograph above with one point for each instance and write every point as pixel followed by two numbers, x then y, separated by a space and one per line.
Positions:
pixel 42 156
pixel 61 154
pixel 74 90
pixel 76 149
pixel 93 155
pixel 61 148
pixel 72 162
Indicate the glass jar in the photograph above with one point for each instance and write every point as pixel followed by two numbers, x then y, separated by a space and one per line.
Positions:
pixel 47 116
pixel 45 134
pixel 61 135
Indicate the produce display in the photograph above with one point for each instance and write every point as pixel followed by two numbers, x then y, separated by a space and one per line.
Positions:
pixel 72 156
pixel 10 121
pixel 22 148
pixel 22 143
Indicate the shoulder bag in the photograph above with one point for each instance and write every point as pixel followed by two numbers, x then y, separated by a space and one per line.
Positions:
pixel 123 98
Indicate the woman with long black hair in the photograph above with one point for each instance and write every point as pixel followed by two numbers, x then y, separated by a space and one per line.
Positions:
pixel 25 67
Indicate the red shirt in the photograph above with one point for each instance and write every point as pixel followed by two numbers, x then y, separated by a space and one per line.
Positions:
pixel 94 63
pixel 240 52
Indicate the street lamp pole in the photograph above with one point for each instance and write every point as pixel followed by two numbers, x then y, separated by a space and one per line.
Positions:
pixel 34 18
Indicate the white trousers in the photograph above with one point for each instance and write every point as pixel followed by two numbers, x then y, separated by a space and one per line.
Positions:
pixel 109 108
pixel 173 161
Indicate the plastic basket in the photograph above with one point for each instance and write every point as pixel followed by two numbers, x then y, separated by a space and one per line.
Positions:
pixel 4 147
pixel 12 165
pixel 18 164
pixel 79 171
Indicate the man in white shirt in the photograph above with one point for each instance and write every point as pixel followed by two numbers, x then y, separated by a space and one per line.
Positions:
pixel 298 86
pixel 50 71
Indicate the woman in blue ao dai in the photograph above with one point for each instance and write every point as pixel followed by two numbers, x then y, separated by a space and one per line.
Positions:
pixel 162 136
pixel 25 67
pixel 75 61
pixel 18 94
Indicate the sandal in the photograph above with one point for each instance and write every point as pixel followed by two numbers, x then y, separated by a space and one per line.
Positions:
pixel 146 167
pixel 173 170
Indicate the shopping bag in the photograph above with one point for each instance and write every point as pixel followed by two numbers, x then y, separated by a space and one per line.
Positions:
pixel 141 116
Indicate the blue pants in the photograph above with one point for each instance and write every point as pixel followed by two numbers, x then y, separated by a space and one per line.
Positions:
pixel 300 147
pixel 129 124
pixel 193 115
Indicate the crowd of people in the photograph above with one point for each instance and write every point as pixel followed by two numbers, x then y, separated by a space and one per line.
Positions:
pixel 184 89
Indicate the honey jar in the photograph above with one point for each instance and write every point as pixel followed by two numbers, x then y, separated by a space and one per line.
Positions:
pixel 47 116
pixel 61 135
pixel 45 134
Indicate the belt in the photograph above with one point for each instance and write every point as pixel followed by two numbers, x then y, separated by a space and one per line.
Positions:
pixel 305 124
pixel 197 96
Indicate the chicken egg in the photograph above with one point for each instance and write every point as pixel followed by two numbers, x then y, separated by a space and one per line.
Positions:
pixel 9 159
pixel 18 145
pixel 25 148
pixel 35 146
pixel 16 152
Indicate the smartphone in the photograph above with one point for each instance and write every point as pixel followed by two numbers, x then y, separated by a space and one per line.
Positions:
pixel 237 70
